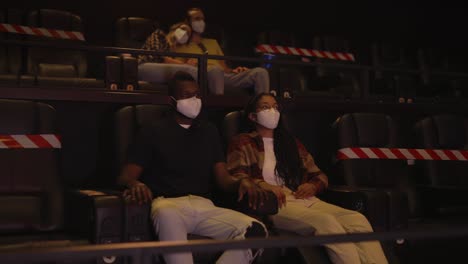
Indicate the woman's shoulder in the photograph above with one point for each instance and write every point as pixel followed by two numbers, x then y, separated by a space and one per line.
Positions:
pixel 243 139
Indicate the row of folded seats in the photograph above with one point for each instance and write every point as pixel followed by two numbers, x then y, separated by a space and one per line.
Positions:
pixel 50 67
pixel 38 210
pixel 395 72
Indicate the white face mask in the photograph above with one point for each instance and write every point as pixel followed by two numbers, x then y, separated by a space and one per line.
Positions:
pixel 181 36
pixel 268 118
pixel 198 26
pixel 189 107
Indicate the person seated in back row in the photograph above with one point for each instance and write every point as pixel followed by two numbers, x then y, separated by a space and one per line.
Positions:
pixel 178 160
pixel 219 74
pixel 159 69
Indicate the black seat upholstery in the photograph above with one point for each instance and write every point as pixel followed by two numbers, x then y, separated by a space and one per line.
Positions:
pixel 389 176
pixel 132 32
pixel 58 67
pixel 23 190
pixel 10 55
pixel 443 183
pixel 35 207
pixel 283 79
pixel 389 85
pixel 325 81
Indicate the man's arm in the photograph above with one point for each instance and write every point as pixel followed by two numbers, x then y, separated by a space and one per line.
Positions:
pixel 137 191
pixel 243 185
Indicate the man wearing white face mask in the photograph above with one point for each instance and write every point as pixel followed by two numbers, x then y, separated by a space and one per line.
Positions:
pixel 219 74
pixel 278 162
pixel 175 161
pixel 159 69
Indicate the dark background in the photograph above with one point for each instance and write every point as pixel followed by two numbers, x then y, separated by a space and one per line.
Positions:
pixel 409 22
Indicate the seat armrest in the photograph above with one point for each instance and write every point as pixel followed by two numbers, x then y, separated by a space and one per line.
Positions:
pixel 370 202
pixel 113 72
pixel 94 215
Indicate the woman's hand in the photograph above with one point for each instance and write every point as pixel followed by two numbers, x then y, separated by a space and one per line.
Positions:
pixel 305 190
pixel 277 190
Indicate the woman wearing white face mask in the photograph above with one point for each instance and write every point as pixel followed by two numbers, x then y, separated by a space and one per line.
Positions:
pixel 159 69
pixel 280 163
pixel 219 74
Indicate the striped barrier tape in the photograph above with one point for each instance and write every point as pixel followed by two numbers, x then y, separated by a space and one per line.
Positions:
pixel 30 141
pixel 265 48
pixel 402 154
pixel 41 32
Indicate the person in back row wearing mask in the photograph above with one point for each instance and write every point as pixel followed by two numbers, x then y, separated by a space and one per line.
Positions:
pixel 178 160
pixel 159 69
pixel 219 74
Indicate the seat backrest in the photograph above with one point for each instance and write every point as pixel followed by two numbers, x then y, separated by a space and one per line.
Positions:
pixel 373 130
pixel 369 130
pixel 51 62
pixel 443 132
pixel 128 121
pixel 391 55
pixel 132 32
pixel 30 193
pixel 280 38
pixel 10 55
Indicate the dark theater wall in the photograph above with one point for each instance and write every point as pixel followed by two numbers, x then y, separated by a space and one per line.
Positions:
pixel 414 21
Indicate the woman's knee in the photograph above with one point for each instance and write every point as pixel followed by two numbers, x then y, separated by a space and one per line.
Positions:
pixel 357 222
pixel 260 72
pixel 326 224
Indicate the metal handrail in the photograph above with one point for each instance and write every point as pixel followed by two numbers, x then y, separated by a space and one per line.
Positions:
pixel 141 250
pixel 107 49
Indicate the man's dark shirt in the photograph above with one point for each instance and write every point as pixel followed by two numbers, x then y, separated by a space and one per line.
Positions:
pixel 177 161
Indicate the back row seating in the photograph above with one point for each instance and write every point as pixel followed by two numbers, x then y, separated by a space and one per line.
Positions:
pixel 67 68
pixel 45 66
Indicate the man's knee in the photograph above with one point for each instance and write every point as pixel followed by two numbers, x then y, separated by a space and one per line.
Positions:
pixel 256 230
pixel 259 72
pixel 164 210
pixel 190 70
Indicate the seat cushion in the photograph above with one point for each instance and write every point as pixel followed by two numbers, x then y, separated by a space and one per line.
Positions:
pixel 70 82
pixel 19 212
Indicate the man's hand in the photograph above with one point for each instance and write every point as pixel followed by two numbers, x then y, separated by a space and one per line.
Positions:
pixel 277 190
pixel 138 192
pixel 240 69
pixel 305 190
pixel 256 195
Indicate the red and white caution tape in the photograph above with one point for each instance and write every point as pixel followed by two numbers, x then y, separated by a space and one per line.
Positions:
pixel 41 32
pixel 265 48
pixel 403 154
pixel 30 141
